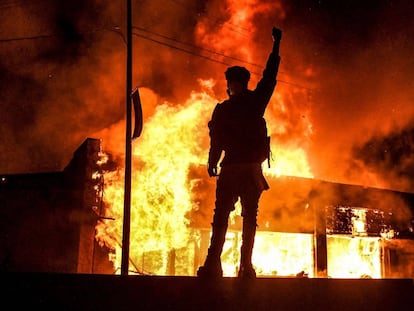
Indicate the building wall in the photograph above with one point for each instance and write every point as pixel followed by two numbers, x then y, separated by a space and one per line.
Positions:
pixel 47 220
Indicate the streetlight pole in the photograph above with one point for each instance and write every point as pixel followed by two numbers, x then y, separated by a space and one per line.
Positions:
pixel 128 147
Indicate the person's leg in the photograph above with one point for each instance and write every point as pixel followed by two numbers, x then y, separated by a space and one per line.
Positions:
pixel 249 213
pixel 224 205
pixel 212 265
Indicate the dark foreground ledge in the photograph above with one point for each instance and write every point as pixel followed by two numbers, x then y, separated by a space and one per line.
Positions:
pixel 115 292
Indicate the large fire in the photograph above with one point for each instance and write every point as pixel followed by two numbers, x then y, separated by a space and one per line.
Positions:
pixel 174 142
pixel 163 239
pixel 169 167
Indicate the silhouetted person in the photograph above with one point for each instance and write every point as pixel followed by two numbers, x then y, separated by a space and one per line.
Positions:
pixel 238 129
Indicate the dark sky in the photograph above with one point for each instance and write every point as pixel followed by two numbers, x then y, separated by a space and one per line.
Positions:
pixel 349 64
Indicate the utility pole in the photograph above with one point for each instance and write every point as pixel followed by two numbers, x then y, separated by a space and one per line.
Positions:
pixel 128 147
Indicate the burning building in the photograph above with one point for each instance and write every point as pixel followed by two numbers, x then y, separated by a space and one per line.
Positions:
pixel 317 119
pixel 342 111
pixel 306 227
pixel 64 222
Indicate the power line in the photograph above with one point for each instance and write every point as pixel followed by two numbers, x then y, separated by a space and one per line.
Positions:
pixel 117 31
pixel 211 59
pixel 47 36
pixel 197 47
pixel 201 48
pixel 29 38
pixel 180 49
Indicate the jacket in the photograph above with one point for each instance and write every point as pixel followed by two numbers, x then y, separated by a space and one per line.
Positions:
pixel 237 126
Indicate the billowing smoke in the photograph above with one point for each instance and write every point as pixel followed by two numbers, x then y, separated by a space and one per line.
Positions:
pixel 360 52
pixel 391 155
pixel 58 81
pixel 346 76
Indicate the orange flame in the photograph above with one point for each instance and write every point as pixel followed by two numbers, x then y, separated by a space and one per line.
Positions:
pixel 174 142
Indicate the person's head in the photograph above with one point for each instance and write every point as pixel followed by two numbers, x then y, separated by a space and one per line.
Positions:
pixel 237 79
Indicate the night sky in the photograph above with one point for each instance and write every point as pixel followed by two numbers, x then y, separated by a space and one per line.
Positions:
pixel 62 66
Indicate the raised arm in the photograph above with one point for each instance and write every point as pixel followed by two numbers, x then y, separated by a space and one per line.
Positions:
pixel 272 65
pixel 277 36
pixel 266 85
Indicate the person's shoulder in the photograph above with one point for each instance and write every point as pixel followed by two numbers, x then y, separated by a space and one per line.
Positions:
pixel 223 108
pixel 218 108
pixel 223 105
pixel 224 102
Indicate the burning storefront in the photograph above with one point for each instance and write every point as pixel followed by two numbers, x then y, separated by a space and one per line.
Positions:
pixel 306 227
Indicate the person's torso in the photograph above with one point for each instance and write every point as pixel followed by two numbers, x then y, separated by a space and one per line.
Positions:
pixel 242 128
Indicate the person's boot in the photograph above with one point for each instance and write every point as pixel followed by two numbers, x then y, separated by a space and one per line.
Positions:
pixel 246 269
pixel 212 265
pixel 247 272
